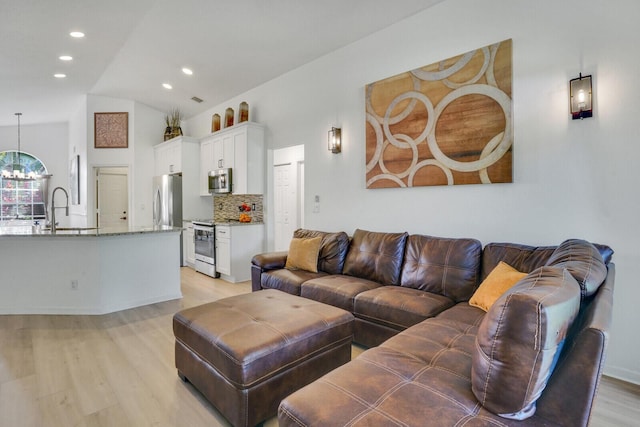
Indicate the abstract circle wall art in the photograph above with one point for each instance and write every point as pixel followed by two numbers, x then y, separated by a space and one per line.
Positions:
pixel 447 123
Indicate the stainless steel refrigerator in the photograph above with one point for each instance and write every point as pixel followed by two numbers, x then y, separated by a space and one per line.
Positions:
pixel 167 203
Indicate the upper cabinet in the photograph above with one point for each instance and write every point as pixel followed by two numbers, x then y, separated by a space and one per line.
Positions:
pixel 241 148
pixel 174 155
pixel 181 155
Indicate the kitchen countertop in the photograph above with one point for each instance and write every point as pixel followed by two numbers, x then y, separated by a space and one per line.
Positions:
pixel 27 231
pixel 236 223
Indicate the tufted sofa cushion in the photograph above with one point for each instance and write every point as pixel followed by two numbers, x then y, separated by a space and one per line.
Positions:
pixel 523 258
pixel 520 339
pixel 289 281
pixel 333 248
pixel 420 377
pixel 397 307
pixel 448 267
pixel 584 262
pixel 376 256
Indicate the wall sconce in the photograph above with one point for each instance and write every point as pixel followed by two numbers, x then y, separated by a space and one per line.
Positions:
pixel 335 140
pixel 580 97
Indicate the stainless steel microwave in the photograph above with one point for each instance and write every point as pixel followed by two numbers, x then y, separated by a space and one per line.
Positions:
pixel 220 181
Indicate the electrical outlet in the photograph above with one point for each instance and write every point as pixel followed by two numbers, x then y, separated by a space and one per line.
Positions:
pixel 74 284
pixel 253 206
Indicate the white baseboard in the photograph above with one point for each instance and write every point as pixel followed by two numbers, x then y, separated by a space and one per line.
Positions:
pixel 622 374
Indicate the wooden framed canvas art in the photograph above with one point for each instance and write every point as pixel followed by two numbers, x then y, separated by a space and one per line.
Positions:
pixel 111 130
pixel 447 123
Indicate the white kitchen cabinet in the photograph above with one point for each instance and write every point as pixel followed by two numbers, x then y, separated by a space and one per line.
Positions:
pixel 181 155
pixel 216 152
pixel 235 246
pixel 168 156
pixel 188 244
pixel 241 148
pixel 223 151
pixel 207 163
pixel 223 250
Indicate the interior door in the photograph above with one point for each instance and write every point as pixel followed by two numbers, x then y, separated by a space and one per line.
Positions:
pixel 285 205
pixel 281 215
pixel 113 197
pixel 288 194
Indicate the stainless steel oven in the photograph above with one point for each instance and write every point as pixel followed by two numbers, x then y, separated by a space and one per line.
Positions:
pixel 204 240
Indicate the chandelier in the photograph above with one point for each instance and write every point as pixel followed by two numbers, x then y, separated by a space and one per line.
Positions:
pixel 17 171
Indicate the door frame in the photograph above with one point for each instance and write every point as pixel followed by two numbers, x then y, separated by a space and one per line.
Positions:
pixel 93 215
pixel 293 155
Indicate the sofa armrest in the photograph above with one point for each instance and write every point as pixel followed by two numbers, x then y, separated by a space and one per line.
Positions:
pixel 579 371
pixel 270 260
pixel 265 262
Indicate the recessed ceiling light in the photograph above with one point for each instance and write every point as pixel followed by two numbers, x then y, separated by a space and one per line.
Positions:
pixel 76 34
pixel 187 71
pixel 59 76
pixel 65 58
pixel 167 86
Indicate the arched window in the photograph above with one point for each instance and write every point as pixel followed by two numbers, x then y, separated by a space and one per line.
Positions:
pixel 11 160
pixel 23 199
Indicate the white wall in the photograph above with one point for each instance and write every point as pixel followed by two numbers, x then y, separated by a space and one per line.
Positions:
pixel 571 178
pixel 78 146
pixel 56 143
pixel 48 142
pixel 149 131
pixel 146 129
pixel 97 157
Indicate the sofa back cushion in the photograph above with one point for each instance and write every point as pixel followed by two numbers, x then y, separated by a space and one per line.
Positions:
pixel 584 262
pixel 376 256
pixel 521 257
pixel 333 249
pixel 449 267
pixel 520 339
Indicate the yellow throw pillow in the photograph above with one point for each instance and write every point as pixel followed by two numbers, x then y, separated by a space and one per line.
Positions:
pixel 500 280
pixel 303 254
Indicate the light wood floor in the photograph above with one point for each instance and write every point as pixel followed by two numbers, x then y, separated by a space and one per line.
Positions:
pixel 117 369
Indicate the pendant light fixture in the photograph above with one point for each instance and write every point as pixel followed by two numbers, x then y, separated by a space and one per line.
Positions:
pixel 17 171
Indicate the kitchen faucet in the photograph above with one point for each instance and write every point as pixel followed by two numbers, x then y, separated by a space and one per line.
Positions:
pixel 53 207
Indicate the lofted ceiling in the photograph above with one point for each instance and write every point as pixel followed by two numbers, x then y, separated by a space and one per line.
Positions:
pixel 133 46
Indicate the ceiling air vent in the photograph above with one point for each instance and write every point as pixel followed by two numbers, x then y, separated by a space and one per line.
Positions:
pixel 195 98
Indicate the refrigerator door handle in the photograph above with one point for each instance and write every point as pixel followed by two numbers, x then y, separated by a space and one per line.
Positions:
pixel 157 217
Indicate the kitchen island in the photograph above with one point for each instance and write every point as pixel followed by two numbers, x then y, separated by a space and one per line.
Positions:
pixel 87 271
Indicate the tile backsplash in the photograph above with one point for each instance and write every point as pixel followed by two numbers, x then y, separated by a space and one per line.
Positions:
pixel 225 206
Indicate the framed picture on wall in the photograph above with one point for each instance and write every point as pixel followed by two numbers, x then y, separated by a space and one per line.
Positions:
pixel 74 179
pixel 111 130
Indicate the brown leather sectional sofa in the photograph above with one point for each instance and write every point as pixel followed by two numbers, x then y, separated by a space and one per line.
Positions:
pixel 534 358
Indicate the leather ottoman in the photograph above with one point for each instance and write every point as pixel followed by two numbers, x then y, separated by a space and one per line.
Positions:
pixel 246 353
